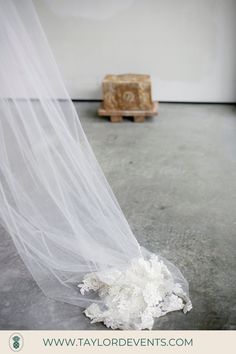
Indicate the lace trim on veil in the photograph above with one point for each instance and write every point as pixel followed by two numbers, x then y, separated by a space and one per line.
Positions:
pixel 134 297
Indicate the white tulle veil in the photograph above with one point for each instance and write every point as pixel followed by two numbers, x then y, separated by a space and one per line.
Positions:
pixel 54 199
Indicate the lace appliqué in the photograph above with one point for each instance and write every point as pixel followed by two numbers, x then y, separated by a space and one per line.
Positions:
pixel 134 297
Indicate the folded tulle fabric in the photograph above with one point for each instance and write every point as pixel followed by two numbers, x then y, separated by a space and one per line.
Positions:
pixel 54 199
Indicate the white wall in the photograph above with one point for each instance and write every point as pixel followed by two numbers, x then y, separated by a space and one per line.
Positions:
pixel 187 46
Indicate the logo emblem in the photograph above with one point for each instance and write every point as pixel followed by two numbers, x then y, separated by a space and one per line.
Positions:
pixel 16 342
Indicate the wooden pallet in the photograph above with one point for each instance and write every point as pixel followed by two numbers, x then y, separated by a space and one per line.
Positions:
pixel 117 116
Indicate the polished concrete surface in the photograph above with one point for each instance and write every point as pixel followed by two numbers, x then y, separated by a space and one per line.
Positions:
pixel 175 179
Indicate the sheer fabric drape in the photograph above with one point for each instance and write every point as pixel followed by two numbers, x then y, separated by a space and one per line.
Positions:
pixel 54 199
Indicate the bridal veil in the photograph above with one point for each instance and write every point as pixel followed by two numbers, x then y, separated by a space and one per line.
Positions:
pixel 54 199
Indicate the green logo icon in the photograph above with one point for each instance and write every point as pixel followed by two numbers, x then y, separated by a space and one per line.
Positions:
pixel 16 342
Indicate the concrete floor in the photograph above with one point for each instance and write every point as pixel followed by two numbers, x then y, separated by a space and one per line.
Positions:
pixel 175 178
